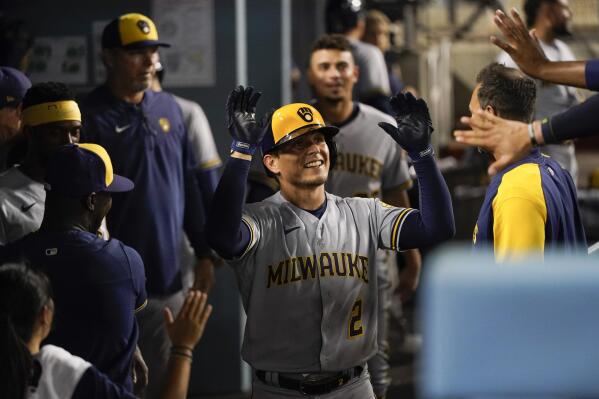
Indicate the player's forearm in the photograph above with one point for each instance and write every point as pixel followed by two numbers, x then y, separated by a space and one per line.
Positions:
pixel 224 219
pixel 434 222
pixel 208 181
pixel 569 73
pixel 582 120
pixel 177 378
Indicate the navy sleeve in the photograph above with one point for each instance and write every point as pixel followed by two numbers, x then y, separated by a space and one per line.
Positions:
pixel 577 122
pixel 591 74
pixel 138 277
pixel 96 385
pixel 434 222
pixel 207 180
pixel 229 236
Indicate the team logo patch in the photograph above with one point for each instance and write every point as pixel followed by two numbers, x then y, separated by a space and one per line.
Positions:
pixel 306 114
pixel 143 27
pixel 385 205
pixel 164 124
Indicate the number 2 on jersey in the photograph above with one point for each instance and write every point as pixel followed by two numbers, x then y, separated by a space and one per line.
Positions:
pixel 355 320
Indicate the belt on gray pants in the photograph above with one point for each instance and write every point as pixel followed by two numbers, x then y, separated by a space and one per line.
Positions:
pixel 311 384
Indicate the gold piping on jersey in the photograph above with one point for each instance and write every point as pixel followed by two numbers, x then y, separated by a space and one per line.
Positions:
pixel 211 164
pixel 251 229
pixel 142 306
pixel 396 224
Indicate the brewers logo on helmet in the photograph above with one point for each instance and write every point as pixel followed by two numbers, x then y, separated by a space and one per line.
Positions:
pixel 294 120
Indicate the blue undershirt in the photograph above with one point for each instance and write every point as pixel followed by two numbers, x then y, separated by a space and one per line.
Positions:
pixel 431 224
pixel 579 121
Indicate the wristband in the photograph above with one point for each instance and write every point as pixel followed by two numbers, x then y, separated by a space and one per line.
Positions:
pixel 531 134
pixel 547 131
pixel 416 156
pixel 182 347
pixel 243 147
pixel 184 354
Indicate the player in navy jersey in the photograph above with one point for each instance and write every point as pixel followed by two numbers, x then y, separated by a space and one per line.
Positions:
pixel 144 133
pixel 531 205
pixel 99 285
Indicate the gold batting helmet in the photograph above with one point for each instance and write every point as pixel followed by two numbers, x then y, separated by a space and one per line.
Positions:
pixel 292 121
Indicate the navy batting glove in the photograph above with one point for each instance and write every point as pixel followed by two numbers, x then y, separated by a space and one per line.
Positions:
pixel 241 120
pixel 414 126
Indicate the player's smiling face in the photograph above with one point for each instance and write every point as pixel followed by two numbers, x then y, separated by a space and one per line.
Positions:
pixel 302 162
pixel 332 74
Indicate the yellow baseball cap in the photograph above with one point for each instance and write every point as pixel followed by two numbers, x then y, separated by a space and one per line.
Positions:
pixel 75 170
pixel 292 121
pixel 131 31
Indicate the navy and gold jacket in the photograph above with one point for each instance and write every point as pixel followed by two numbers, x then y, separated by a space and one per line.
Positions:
pixel 529 207
pixel 148 144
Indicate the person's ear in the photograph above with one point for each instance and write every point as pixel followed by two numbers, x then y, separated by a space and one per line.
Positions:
pixel 90 202
pixel 272 163
pixel 356 72
pixel 490 109
pixel 46 316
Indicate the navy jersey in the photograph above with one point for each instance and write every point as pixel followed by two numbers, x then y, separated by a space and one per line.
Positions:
pixel 530 206
pixel 97 287
pixel 148 144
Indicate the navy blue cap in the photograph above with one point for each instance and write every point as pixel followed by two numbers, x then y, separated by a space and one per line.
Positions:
pixel 76 170
pixel 13 86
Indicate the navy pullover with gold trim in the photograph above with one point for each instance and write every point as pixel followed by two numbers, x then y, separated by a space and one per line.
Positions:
pixel 148 144
pixel 529 207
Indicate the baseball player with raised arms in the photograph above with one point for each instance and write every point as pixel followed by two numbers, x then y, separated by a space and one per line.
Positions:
pixel 369 164
pixel 305 259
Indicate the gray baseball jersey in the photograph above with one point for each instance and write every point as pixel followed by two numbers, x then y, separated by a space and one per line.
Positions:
pixel 309 285
pixel 374 78
pixel 199 134
pixel 22 204
pixel 369 160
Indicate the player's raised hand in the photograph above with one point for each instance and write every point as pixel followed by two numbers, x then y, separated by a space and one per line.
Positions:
pixel 188 327
pixel 507 140
pixel 241 116
pixel 520 43
pixel 414 127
